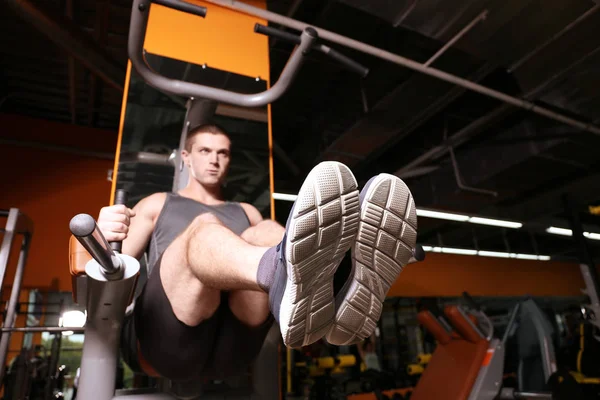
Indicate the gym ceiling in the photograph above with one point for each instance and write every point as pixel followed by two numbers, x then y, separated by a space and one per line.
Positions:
pixel 513 165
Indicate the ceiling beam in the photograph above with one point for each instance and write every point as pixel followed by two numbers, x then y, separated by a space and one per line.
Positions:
pixel 73 40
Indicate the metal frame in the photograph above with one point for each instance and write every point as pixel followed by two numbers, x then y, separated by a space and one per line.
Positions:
pixel 137 33
pixel 406 62
pixel 111 279
pixel 488 385
pixel 530 311
pixel 586 263
pixel 16 223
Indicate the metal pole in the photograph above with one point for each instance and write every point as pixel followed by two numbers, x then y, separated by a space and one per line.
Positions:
pixel 408 63
pixel 9 235
pixel 11 309
pixel 456 37
pixel 564 30
pixel 41 329
pixel 52 366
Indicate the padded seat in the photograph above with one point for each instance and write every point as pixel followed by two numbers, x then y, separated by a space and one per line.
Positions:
pixel 456 361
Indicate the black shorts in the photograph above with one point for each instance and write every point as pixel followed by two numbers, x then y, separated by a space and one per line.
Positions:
pixel 217 348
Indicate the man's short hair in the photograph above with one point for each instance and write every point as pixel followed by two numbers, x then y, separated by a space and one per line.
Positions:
pixel 204 128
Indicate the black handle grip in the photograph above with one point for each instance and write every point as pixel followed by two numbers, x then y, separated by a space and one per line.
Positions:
pixel 346 61
pixel 120 198
pixel 470 302
pixel 292 38
pixel 276 33
pixel 183 6
pixel 419 253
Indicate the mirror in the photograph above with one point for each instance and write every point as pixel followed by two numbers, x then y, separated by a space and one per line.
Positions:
pixel 153 126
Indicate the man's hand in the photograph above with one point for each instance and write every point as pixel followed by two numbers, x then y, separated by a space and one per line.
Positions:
pixel 114 221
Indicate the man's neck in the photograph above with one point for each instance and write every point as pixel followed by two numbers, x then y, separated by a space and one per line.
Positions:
pixel 203 194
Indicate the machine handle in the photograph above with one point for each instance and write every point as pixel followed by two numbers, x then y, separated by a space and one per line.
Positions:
pixel 345 61
pixel 135 49
pixel 471 302
pixel 86 231
pixel 334 54
pixel 419 253
pixel 276 33
pixel 120 198
pixel 183 6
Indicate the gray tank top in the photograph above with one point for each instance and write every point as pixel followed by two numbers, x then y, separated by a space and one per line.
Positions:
pixel 178 212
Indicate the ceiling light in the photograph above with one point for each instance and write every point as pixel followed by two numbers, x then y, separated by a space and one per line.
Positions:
pixel 495 222
pixel 568 232
pixel 484 253
pixel 436 214
pixel 441 215
pixel 591 235
pixel 559 231
pixel 466 252
pixel 493 254
pixel 285 197
pixel 525 256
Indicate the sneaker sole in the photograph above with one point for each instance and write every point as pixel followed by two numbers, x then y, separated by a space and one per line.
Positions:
pixel 320 230
pixel 387 234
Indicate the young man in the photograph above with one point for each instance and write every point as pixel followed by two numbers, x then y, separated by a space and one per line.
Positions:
pixel 219 274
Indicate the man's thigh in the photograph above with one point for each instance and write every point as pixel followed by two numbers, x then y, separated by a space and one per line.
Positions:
pixel 237 344
pixel 173 349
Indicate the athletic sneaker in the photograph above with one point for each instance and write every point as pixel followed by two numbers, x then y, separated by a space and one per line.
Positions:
pixel 320 229
pixel 387 234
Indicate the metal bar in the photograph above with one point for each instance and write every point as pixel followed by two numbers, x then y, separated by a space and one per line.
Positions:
pixel 408 63
pixel 73 40
pixel 137 32
pixel 53 365
pixel 11 308
pixel 72 80
pixel 84 228
pixel 183 6
pixel 557 35
pixel 465 133
pixel 586 261
pixel 9 235
pixel 459 182
pixel 457 37
pixel 454 140
pixel 511 322
pixel 532 395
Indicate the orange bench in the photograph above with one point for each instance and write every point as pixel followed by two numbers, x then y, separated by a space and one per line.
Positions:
pixel 456 361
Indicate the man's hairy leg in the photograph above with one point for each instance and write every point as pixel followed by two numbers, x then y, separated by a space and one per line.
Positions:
pixel 204 260
pixel 248 306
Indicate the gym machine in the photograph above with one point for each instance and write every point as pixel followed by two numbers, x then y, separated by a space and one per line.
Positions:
pixel 470 360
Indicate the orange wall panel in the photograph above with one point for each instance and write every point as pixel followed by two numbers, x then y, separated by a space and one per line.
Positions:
pixel 225 39
pixel 449 275
pixel 51 187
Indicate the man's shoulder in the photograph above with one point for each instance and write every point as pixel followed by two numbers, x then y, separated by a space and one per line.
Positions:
pixel 254 216
pixel 153 203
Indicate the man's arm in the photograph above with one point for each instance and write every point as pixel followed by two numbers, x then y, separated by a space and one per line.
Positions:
pixel 133 227
pixel 142 224
pixel 254 216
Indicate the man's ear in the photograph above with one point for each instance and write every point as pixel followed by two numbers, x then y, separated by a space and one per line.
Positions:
pixel 185 156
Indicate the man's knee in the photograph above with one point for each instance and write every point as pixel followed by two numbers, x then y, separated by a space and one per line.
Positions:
pixel 209 304
pixel 265 233
pixel 201 224
pixel 206 218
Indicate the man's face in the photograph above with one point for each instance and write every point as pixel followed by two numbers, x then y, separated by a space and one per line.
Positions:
pixel 208 161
